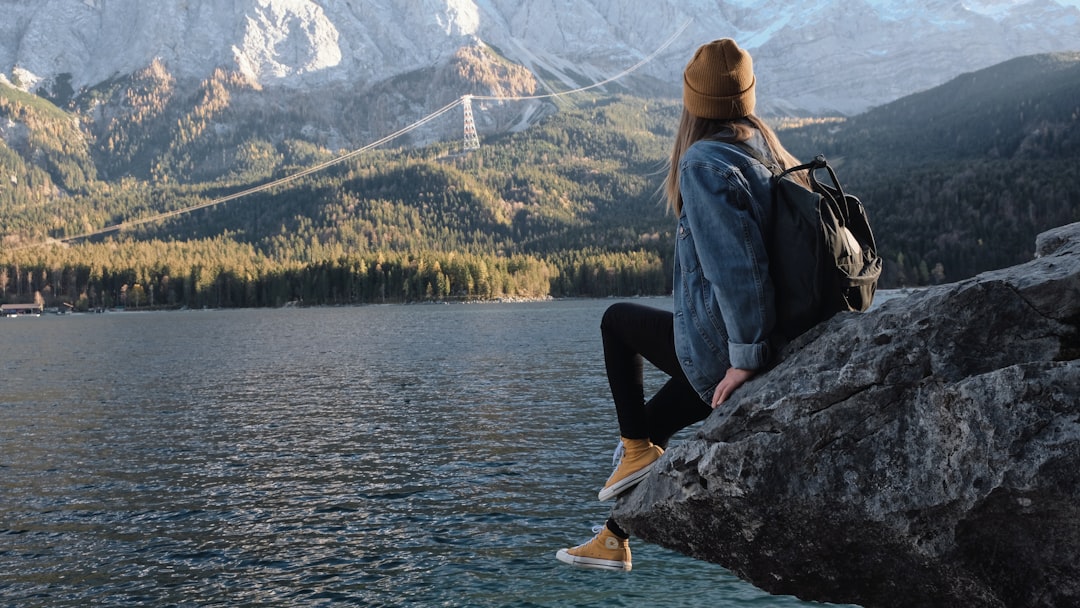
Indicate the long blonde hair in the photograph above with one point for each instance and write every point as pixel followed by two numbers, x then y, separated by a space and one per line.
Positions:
pixel 693 129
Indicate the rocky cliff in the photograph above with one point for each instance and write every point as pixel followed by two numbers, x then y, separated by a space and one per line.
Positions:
pixel 926 453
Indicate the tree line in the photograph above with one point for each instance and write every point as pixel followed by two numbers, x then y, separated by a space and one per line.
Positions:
pixel 566 208
pixel 220 273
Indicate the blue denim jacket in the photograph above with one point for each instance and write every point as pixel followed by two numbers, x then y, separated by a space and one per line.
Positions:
pixel 723 296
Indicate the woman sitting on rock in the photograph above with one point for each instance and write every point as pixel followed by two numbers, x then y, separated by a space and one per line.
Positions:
pixel 721 331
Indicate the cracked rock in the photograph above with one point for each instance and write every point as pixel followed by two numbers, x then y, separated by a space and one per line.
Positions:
pixel 925 453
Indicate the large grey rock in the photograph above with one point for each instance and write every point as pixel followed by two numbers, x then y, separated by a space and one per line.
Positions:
pixel 925 453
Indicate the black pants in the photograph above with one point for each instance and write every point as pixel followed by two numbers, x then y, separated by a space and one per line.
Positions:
pixel 633 333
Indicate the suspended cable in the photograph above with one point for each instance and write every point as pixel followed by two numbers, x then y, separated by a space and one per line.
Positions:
pixel 358 151
pixel 269 185
pixel 621 74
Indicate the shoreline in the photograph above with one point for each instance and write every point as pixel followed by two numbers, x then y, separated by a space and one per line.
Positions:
pixel 882 295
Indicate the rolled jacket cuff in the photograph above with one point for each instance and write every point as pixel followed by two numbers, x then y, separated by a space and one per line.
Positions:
pixel 749 356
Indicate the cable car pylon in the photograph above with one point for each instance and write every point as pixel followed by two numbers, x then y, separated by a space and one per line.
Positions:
pixel 472 141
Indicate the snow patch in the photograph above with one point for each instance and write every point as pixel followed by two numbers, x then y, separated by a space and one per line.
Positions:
pixel 305 45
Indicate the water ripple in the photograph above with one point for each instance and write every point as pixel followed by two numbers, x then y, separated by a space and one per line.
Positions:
pixel 378 456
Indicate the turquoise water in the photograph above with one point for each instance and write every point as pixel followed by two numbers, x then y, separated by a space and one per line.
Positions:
pixel 431 455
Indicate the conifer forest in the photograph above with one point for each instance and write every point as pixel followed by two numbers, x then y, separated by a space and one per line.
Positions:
pixel 957 180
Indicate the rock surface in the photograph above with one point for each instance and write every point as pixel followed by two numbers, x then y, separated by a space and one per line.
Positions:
pixel 925 453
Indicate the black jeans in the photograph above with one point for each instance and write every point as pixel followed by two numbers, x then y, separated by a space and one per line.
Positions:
pixel 633 333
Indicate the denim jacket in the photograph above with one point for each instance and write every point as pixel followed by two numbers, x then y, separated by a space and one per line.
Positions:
pixel 723 296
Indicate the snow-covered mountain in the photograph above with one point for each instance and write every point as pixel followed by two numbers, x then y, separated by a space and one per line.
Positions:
pixel 804 51
pixel 825 56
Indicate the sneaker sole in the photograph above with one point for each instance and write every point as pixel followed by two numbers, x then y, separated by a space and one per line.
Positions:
pixel 595 563
pixel 625 483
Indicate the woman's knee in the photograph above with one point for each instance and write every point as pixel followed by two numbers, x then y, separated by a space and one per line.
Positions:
pixel 615 315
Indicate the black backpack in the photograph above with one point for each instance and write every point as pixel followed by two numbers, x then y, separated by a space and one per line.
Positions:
pixel 822 255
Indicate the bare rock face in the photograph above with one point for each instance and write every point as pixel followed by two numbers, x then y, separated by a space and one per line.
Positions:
pixel 925 453
pixel 850 56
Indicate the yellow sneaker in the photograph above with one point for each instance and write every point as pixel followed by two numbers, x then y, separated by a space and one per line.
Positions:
pixel 638 458
pixel 604 552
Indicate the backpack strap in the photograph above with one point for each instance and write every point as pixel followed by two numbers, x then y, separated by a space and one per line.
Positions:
pixel 818 163
pixel 834 192
pixel 758 156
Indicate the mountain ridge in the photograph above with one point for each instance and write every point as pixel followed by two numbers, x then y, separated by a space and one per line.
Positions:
pixel 569 202
pixel 875 50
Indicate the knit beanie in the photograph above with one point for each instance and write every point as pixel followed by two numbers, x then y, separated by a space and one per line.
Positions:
pixel 719 81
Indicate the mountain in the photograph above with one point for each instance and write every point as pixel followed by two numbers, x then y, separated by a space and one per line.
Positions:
pixel 957 180
pixel 1027 107
pixel 825 57
pixel 961 178
pixel 194 91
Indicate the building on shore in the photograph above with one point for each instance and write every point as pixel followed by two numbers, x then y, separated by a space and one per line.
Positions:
pixel 21 310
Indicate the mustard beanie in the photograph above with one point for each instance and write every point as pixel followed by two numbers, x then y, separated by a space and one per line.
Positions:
pixel 719 81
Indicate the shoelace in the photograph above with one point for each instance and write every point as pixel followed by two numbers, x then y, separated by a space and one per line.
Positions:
pixel 616 458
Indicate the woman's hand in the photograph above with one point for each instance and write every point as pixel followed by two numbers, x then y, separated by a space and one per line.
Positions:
pixel 733 379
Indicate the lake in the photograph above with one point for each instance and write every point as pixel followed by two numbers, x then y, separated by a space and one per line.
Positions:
pixel 423 455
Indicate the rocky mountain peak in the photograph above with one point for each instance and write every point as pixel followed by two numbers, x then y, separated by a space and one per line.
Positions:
pixel 822 57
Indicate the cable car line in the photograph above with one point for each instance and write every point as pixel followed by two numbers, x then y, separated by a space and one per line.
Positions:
pixel 344 157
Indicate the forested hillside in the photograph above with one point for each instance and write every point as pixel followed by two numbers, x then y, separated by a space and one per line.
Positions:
pixel 961 178
pixel 957 180
pixel 565 208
